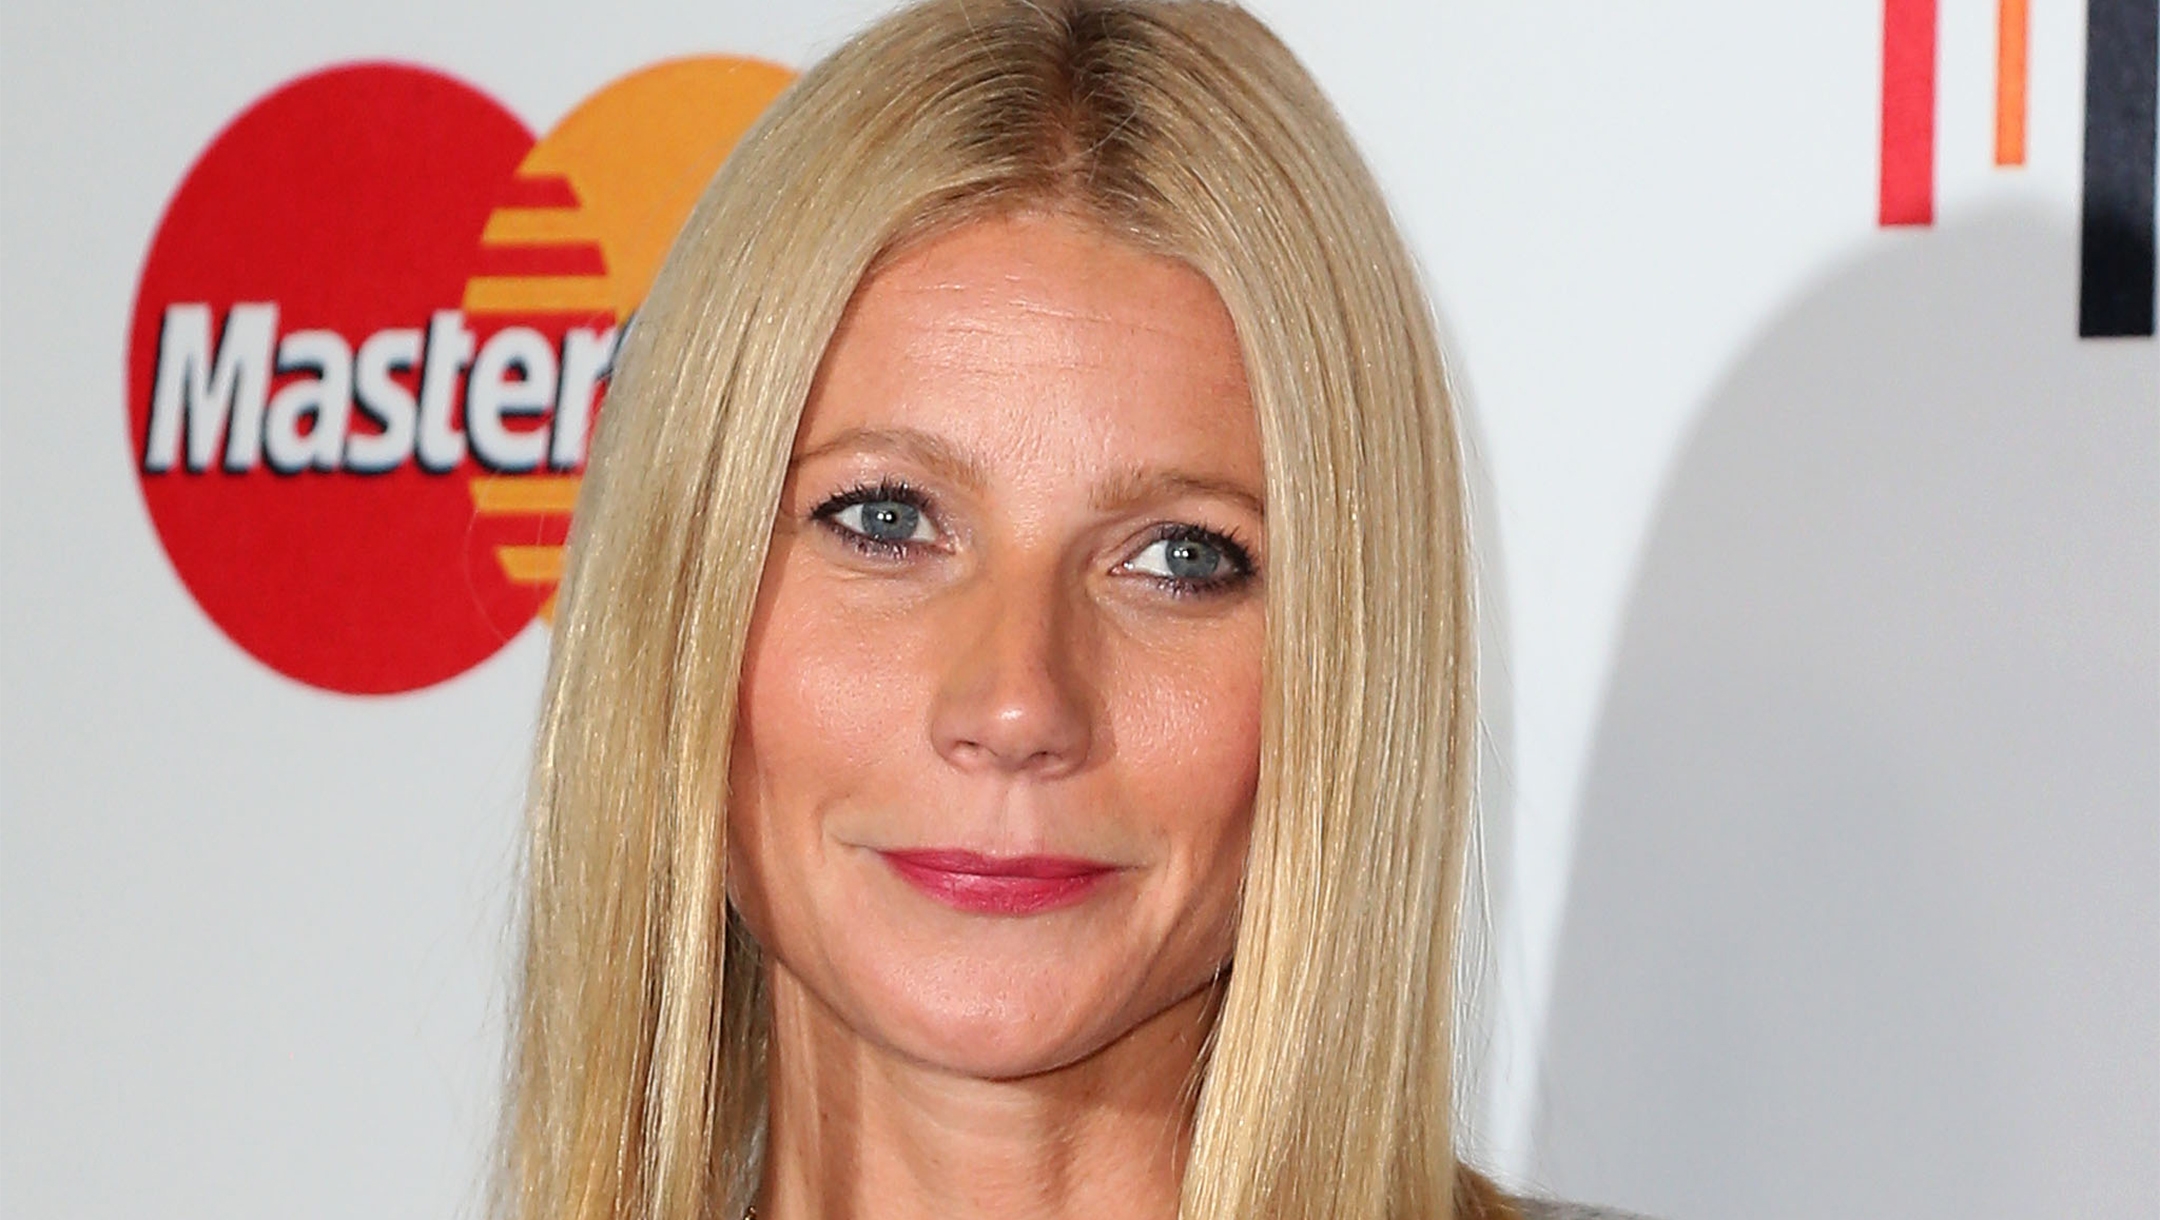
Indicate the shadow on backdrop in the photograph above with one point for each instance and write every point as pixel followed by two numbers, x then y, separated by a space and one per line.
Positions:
pixel 1865 918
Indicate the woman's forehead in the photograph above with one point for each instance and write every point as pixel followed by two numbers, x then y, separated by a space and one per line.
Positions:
pixel 1039 336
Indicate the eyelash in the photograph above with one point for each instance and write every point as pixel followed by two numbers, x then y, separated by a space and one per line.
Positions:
pixel 899 492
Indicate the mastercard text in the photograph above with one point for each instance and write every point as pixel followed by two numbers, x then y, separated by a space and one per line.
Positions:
pixel 310 400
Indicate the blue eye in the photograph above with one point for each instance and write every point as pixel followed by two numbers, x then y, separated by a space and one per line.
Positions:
pixel 886 521
pixel 887 517
pixel 1188 559
pixel 1180 559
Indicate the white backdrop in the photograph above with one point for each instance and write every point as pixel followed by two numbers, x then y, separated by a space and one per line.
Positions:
pixel 1822 573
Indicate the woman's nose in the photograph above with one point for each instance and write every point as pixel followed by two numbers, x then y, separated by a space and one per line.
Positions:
pixel 1015 696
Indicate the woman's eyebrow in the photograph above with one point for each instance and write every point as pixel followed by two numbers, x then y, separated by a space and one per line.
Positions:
pixel 1140 486
pixel 940 456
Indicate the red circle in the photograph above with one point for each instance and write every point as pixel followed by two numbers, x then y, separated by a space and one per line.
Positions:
pixel 352 200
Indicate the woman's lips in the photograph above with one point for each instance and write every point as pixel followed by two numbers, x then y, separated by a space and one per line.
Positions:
pixel 998 885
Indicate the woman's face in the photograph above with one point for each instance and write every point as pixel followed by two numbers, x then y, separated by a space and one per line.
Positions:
pixel 1000 717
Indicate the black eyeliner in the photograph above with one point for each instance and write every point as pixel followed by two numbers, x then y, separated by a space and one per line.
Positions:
pixel 894 490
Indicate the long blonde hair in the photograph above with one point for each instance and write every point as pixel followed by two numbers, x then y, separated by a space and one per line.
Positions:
pixel 1186 128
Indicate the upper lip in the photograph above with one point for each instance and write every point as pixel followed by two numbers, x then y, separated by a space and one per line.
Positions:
pixel 977 864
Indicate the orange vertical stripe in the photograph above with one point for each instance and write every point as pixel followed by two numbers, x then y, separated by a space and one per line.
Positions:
pixel 2010 29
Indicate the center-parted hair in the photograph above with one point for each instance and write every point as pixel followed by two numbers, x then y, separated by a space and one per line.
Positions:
pixel 1185 128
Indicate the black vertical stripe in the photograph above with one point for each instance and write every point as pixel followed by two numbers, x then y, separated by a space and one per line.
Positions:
pixel 2122 61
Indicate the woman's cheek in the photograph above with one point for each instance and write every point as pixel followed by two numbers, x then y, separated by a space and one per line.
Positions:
pixel 1190 728
pixel 834 689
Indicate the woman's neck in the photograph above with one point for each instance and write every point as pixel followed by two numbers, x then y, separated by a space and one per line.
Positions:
pixel 860 1133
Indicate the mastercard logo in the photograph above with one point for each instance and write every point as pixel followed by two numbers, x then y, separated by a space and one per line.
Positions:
pixel 369 343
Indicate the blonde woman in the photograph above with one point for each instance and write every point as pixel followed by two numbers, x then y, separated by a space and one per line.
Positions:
pixel 1008 747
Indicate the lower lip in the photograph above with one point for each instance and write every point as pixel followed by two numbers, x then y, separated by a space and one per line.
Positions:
pixel 982 885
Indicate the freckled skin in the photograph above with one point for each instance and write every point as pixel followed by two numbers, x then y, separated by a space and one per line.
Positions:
pixel 1021 682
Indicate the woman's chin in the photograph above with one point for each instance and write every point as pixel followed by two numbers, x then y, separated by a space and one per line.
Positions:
pixel 987 1020
pixel 993 1053
pixel 992 998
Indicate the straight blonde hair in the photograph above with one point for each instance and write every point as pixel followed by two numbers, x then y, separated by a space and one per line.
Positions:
pixel 1187 129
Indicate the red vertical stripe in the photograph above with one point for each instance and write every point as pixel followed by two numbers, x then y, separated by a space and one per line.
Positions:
pixel 1908 112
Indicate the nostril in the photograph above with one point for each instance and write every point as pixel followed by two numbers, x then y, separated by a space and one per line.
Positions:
pixel 1015 723
pixel 1042 738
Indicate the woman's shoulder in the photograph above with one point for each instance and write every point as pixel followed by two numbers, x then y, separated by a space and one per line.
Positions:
pixel 1555 1209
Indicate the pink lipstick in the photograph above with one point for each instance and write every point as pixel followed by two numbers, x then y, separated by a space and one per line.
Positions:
pixel 998 885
